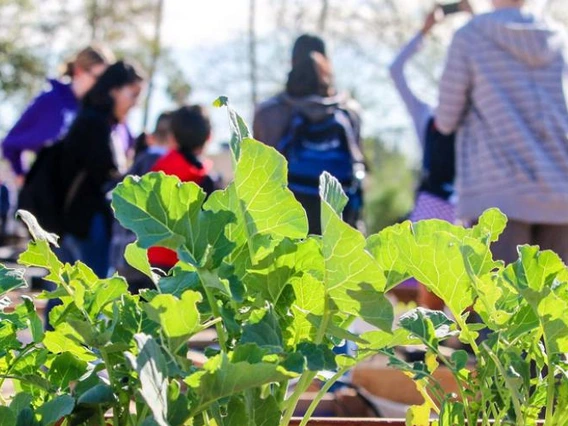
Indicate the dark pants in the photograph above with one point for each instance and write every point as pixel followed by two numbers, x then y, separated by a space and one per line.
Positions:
pixel 548 237
pixel 312 206
pixel 92 250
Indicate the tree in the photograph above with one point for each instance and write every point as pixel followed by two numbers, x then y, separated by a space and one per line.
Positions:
pixel 252 53
pixel 156 51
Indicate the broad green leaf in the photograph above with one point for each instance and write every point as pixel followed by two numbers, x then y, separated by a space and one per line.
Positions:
pixel 55 409
pixel 265 209
pixel 8 337
pixel 239 129
pixel 221 378
pixel 452 414
pixel 251 409
pixel 33 320
pixel 161 210
pixel 353 279
pixel 379 340
pixel 137 257
pixel 491 225
pixel 535 270
pixel 552 311
pixel 418 415
pixel 536 276
pixel 179 281
pixel 309 303
pixel 150 365
pixel 97 395
pixel 26 417
pixel 65 339
pixel 429 326
pixel 432 252
pixel 459 359
pixel 65 369
pixel 335 330
pixel 332 193
pixel 178 317
pixel 20 401
pixel 496 302
pixel 39 254
pixel 265 333
pixel 289 260
pixel 106 291
pixel 318 357
pixel 7 417
pixel 11 279
pixel 385 251
pixel 36 231
pixel 178 403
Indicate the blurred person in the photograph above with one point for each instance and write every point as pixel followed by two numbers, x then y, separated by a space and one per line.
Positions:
pixel 316 129
pixel 4 210
pixel 435 196
pixel 91 160
pixel 504 90
pixel 49 116
pixel 158 144
pixel 190 130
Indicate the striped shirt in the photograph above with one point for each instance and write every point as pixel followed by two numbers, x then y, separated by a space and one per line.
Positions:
pixel 504 89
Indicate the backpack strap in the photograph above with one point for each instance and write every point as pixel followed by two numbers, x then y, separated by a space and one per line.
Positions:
pixel 297 120
pixel 343 117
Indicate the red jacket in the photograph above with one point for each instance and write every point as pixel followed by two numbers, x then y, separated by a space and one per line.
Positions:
pixel 175 164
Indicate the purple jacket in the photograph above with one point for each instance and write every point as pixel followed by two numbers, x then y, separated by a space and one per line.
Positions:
pixel 46 120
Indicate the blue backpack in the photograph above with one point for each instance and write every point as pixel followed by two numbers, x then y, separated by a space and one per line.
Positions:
pixel 314 147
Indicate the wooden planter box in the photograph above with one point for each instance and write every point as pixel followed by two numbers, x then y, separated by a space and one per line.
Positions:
pixel 350 422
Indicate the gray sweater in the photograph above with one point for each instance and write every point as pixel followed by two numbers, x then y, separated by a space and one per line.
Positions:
pixel 505 89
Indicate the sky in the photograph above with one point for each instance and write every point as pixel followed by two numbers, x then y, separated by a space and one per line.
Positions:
pixel 187 30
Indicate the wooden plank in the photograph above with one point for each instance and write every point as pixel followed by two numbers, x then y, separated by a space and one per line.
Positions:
pixel 349 422
pixel 391 384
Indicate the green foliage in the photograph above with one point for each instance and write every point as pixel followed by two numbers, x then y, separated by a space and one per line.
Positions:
pixel 390 189
pixel 280 300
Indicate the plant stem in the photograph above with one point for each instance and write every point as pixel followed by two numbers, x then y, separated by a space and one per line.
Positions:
pixel 280 392
pixel 214 309
pixel 460 386
pixel 292 402
pixel 5 376
pixel 321 394
pixel 550 390
pixel 110 371
pixel 511 386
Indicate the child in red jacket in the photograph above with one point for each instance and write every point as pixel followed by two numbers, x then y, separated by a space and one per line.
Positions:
pixel 190 130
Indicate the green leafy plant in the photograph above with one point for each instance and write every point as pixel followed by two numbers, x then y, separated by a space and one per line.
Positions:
pixel 280 301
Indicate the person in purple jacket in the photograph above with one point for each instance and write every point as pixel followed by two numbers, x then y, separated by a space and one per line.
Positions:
pixel 50 115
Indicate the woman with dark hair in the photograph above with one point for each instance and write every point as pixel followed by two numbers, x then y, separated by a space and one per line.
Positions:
pixel 316 129
pixel 92 159
pixel 50 115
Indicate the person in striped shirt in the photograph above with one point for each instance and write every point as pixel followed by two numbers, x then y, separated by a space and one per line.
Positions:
pixel 504 91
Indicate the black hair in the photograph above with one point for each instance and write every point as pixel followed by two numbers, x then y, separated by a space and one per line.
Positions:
pixel 163 125
pixel 311 76
pixel 191 127
pixel 306 44
pixel 118 75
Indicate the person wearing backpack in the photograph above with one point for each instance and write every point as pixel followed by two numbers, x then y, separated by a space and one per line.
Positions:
pixel 316 129
pixel 190 130
pixel 48 118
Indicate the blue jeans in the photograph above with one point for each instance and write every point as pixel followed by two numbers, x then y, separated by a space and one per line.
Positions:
pixel 93 251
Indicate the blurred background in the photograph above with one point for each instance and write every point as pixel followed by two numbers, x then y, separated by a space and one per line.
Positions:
pixel 195 51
